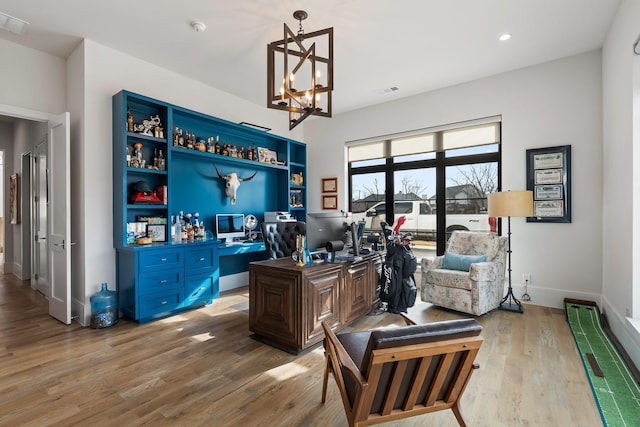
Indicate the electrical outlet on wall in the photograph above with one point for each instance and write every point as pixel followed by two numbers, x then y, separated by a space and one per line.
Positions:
pixel 526 278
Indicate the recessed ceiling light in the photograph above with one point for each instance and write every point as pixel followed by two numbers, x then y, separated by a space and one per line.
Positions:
pixel 504 37
pixel 10 23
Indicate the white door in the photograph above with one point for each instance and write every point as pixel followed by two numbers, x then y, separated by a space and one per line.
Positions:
pixel 40 201
pixel 59 219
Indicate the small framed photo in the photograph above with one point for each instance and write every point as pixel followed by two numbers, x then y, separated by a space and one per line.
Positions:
pixel 267 156
pixel 135 230
pixel 329 185
pixel 330 201
pixel 157 232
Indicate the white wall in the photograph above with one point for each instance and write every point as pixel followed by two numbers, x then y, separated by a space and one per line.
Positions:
pixel 621 184
pixel 31 79
pixel 6 143
pixel 557 103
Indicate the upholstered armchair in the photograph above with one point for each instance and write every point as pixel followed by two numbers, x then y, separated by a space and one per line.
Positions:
pixel 280 237
pixel 470 276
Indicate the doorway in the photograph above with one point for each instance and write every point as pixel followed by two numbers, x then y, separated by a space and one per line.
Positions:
pixel 2 233
pixel 39 201
pixel 53 192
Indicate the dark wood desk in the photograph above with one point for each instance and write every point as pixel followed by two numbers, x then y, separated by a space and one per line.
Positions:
pixel 287 303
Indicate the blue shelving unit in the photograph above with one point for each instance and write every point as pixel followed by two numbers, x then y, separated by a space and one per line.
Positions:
pixel 192 185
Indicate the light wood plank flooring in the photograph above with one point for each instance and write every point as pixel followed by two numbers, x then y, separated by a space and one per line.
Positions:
pixel 202 369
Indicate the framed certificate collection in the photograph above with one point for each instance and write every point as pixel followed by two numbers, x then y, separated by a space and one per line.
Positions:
pixel 549 177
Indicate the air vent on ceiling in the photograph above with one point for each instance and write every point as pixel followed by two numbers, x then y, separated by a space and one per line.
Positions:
pixel 10 23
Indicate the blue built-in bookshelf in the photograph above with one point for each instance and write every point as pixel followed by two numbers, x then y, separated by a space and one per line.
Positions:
pixel 159 278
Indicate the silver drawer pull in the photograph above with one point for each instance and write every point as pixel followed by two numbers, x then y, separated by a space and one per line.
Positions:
pixel 163 281
pixel 202 259
pixel 163 260
pixel 163 302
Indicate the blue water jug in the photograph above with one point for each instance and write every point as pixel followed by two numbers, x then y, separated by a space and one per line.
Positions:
pixel 104 308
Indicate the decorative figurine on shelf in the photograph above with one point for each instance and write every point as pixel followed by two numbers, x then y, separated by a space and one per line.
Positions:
pixel 136 158
pixel 297 179
pixel 147 125
pixel 130 125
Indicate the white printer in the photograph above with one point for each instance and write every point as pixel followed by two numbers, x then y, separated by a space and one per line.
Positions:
pixel 278 217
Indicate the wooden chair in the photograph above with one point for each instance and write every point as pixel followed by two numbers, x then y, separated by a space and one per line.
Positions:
pixel 389 374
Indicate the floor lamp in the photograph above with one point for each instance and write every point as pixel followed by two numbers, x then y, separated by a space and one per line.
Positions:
pixel 508 204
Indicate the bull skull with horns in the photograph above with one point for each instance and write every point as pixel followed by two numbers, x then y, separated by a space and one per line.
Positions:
pixel 231 183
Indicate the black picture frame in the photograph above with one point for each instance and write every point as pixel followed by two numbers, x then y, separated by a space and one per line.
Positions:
pixel 157 232
pixel 549 177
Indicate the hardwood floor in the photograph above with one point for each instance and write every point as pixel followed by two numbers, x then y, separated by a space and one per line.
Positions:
pixel 202 369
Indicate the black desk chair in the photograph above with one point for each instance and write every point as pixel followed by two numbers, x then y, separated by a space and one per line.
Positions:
pixel 280 237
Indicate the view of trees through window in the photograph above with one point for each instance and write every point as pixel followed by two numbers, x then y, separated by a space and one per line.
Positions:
pixel 458 179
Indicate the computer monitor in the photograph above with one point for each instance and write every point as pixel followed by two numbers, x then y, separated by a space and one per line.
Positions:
pixel 323 227
pixel 229 226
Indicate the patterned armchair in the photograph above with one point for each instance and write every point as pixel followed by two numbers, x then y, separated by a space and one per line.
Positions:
pixel 476 291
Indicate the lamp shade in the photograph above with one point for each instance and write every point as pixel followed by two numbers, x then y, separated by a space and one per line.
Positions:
pixel 511 203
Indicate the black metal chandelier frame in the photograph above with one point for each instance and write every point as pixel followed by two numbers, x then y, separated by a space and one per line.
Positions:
pixel 300 103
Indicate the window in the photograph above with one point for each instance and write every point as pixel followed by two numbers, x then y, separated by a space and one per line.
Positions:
pixel 454 166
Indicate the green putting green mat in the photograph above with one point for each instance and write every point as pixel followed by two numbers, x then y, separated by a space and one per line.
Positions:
pixel 614 387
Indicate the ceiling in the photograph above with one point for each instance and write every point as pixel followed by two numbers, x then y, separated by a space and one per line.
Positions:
pixel 414 45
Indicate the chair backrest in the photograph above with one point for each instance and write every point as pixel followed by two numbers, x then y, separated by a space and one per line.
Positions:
pixel 478 243
pixel 280 237
pixel 408 371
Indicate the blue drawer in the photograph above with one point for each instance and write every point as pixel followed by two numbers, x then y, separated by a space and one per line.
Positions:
pixel 153 304
pixel 200 288
pixel 161 258
pixel 199 259
pixel 157 281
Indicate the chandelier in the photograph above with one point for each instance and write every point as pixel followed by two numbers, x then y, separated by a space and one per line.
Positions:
pixel 300 81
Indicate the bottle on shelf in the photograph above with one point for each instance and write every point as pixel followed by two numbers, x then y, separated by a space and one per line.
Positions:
pixel 162 164
pixel 130 126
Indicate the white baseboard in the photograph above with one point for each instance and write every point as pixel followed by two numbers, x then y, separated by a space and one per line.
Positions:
pixel 626 330
pixel 547 297
pixel 233 281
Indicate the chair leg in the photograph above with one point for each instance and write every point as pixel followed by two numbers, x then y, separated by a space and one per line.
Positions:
pixel 456 411
pixel 326 377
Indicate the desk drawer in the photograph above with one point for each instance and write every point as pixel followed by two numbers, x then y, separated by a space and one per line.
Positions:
pixel 200 288
pixel 160 302
pixel 161 258
pixel 199 258
pixel 157 281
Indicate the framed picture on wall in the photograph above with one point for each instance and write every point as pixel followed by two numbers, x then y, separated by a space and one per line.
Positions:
pixel 329 185
pixel 330 201
pixel 549 177
pixel 14 199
